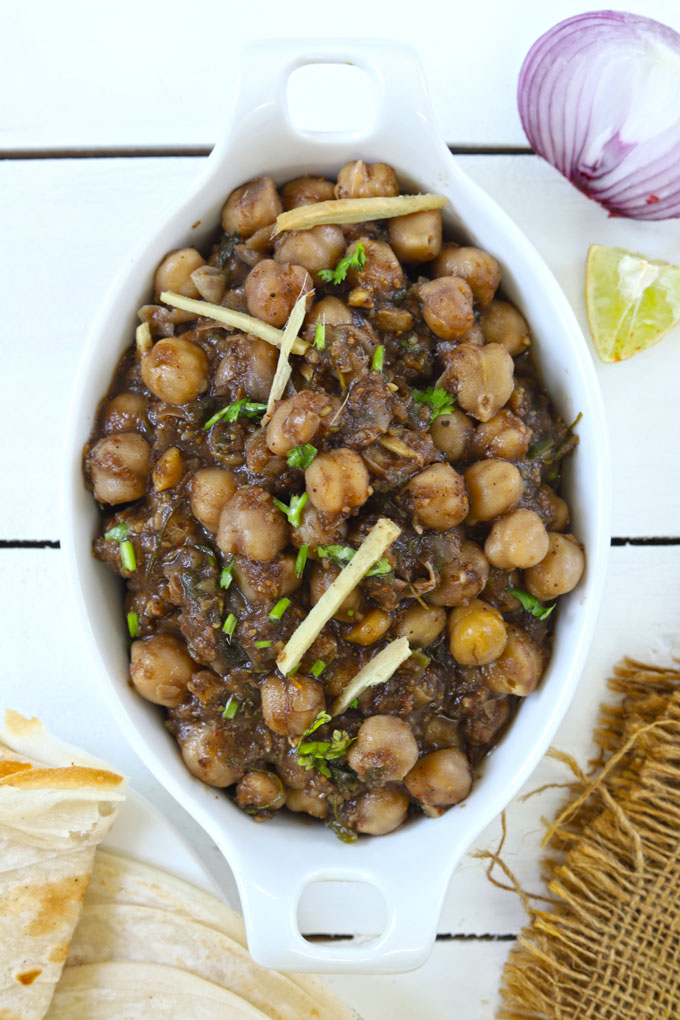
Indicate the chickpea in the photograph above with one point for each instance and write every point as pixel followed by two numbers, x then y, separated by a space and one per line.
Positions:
pixel 253 205
pixel 297 420
pixel 372 628
pixel 204 757
pixel 494 487
pixel 377 812
pixel 502 324
pixel 248 367
pixel 331 311
pixel 250 524
pixel 447 306
pixel 176 370
pixel 161 668
pixel 518 539
pixel 174 273
pixel 556 509
pixel 518 669
pixel 314 804
pixel 420 624
pixel 260 584
pixel 483 378
pixel 306 191
pixel 479 269
pixel 451 434
pixel 438 497
pixel 210 490
pixel 291 704
pixel 384 751
pixel 260 791
pixel 416 237
pixel 477 633
pixel 272 289
pixel 440 778
pixel 313 531
pixel 321 578
pixel 119 467
pixel 315 249
pixel 505 436
pixel 366 180
pixel 124 412
pixel 338 481
pixel 168 470
pixel 381 272
pixel 463 579
pixel 560 569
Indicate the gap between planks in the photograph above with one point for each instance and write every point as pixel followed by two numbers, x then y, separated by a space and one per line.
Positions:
pixel 441 937
pixel 183 151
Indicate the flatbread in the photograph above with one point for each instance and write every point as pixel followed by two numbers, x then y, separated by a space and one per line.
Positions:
pixel 109 931
pixel 56 804
pixel 142 991
pixel 120 880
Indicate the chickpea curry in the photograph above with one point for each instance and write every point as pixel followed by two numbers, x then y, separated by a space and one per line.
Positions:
pixel 329 474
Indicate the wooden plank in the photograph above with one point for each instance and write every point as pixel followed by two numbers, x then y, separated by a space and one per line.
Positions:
pixel 156 75
pixel 59 685
pixel 85 216
pixel 460 979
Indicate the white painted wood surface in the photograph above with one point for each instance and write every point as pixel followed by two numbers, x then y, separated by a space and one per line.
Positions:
pixel 157 75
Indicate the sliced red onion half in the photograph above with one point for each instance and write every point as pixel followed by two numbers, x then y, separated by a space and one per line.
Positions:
pixel 599 98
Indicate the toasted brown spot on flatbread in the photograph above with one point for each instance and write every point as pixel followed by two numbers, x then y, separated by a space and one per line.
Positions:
pixel 73 778
pixel 58 900
pixel 59 953
pixel 29 976
pixel 9 768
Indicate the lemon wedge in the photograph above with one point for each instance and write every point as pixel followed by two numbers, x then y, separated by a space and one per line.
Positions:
pixel 631 301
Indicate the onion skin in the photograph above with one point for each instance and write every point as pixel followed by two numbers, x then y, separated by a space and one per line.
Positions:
pixel 598 99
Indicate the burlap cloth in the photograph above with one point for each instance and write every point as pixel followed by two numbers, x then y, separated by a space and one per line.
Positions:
pixel 608 945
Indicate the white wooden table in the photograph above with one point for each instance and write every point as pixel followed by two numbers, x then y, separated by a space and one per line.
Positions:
pixel 108 115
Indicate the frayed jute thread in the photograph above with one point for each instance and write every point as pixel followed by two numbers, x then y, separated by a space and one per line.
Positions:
pixel 607 946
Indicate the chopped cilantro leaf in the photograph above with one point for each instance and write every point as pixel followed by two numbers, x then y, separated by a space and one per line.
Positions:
pixel 118 533
pixel 531 603
pixel 342 554
pixel 355 260
pixel 540 447
pixel 301 456
pixel 243 408
pixel 279 609
pixel 231 708
pixel 226 576
pixel 301 560
pixel 127 556
pixel 294 511
pixel 229 626
pixel 378 358
pixel 320 335
pixel 437 398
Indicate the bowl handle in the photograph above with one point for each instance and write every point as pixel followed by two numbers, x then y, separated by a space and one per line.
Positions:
pixel 412 894
pixel 260 106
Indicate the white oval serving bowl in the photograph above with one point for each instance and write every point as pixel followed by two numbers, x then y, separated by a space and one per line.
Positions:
pixel 273 863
